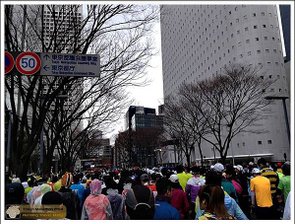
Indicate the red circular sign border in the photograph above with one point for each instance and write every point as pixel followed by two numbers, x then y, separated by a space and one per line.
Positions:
pixel 11 58
pixel 38 60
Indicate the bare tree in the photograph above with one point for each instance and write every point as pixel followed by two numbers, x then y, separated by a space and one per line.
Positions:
pixel 118 33
pixel 231 103
pixel 122 144
pixel 179 123
pixel 143 143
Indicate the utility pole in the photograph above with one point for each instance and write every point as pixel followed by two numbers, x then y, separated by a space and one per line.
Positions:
pixel 23 46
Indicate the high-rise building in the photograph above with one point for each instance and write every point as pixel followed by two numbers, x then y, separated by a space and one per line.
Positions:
pixel 63 23
pixel 142 117
pixel 199 40
pixel 143 127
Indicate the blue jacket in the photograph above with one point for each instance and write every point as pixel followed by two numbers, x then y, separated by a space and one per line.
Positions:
pixel 165 211
pixel 79 189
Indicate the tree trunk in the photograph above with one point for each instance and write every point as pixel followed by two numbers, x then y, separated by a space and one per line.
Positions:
pixel 188 159
pixel 223 158
pixel 201 154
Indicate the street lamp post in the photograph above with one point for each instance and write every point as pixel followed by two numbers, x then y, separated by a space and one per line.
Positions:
pixel 174 143
pixel 232 152
pixel 214 156
pixel 283 98
pixel 159 155
pixel 8 147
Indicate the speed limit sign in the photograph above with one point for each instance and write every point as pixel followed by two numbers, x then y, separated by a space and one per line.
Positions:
pixel 28 63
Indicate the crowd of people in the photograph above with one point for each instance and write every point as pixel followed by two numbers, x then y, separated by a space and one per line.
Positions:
pixel 222 192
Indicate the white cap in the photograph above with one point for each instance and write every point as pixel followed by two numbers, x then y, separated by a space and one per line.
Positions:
pixel 238 167
pixel 15 180
pixel 218 167
pixel 174 178
pixel 255 171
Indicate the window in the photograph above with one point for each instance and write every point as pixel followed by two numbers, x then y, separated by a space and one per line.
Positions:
pixel 254 14
pixel 275 50
pixel 256 38
pixel 262 77
pixel 263 13
pixel 264 26
pixel 243 143
pixel 259 142
pixel 267 50
pixel 258 51
pixel 270 76
pixel 255 26
pixel 238 32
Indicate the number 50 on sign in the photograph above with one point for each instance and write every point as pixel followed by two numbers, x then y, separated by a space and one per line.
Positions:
pixel 28 63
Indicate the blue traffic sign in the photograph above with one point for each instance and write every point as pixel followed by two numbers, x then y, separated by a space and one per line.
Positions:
pixel 9 62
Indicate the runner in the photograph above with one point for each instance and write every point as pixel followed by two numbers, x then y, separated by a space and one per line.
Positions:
pixel 261 197
pixel 212 202
pixel 96 206
pixel 163 209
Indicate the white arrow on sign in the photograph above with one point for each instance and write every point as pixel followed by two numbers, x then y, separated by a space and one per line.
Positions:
pixel 80 65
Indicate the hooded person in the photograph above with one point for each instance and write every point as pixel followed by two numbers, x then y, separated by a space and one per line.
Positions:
pixel 44 188
pixel 96 206
pixel 33 194
pixel 116 201
pixel 27 190
pixel 70 199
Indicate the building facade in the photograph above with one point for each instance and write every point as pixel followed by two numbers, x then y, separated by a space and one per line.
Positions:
pixel 199 40
pixel 140 139
pixel 142 117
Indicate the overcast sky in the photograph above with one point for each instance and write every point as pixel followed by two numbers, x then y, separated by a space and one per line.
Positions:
pixel 150 95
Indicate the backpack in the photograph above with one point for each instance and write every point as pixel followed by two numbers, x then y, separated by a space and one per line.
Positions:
pixel 144 207
pixel 143 211
pixel 117 205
